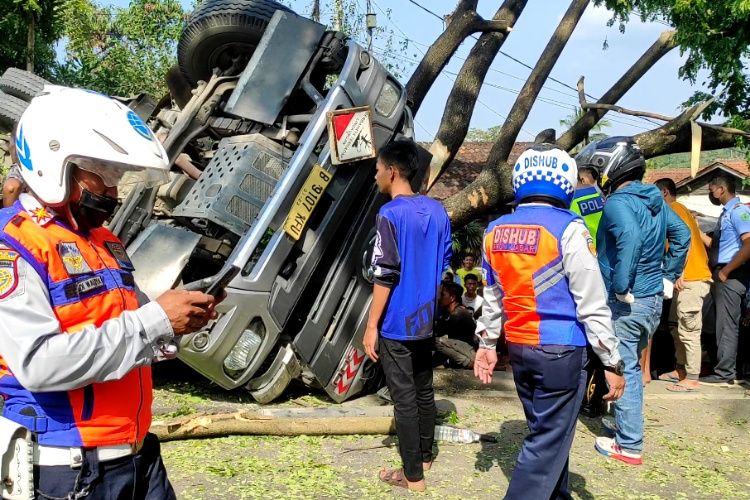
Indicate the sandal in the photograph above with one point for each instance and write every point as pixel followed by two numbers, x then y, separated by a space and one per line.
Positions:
pixel 668 377
pixel 394 477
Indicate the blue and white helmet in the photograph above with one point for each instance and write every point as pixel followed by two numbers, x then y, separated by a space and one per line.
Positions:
pixel 65 126
pixel 545 170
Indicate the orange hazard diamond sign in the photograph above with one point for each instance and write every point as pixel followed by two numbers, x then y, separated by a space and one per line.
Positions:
pixel 350 135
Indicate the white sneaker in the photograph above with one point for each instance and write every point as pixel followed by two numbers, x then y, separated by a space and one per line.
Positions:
pixel 608 447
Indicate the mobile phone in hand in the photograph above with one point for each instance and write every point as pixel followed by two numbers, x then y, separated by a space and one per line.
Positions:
pixel 214 285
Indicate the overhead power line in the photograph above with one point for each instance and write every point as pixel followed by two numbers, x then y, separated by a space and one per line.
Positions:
pixel 518 61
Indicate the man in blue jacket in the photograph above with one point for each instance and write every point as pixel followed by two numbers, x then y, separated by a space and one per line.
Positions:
pixel 638 273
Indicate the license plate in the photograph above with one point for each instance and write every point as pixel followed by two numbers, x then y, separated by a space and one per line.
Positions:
pixel 307 198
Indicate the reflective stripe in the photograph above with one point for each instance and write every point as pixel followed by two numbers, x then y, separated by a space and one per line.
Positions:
pixel 540 289
pixel 556 269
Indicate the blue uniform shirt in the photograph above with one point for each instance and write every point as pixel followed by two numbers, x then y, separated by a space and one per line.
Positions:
pixel 735 221
pixel 412 249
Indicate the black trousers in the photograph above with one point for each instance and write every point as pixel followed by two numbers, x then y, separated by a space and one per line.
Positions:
pixel 407 366
pixel 550 381
pixel 727 297
pixel 139 476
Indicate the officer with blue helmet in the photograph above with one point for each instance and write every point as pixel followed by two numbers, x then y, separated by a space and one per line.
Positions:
pixel 545 289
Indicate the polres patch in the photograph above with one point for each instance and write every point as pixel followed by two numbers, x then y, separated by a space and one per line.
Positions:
pixel 8 272
pixel 71 256
pixel 138 125
pixel 516 239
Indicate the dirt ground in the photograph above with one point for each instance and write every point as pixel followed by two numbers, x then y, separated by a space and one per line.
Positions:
pixel 697 446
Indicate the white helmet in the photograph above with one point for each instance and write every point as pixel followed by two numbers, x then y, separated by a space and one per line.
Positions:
pixel 545 170
pixel 65 126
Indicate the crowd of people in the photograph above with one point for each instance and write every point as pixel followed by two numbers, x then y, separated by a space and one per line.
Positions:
pixel 571 287
pixel 573 281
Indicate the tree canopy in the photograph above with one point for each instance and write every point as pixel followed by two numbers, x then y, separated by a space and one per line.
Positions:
pixel 715 35
pixel 47 21
pixel 120 51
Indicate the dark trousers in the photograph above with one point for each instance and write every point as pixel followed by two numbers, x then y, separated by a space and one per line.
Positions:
pixel 727 298
pixel 407 366
pixel 140 476
pixel 550 381
pixel 596 386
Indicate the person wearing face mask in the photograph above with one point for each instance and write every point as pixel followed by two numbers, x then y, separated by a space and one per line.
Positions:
pixel 77 337
pixel 728 255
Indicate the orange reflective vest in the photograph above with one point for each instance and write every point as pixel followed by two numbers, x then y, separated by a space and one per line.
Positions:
pixel 524 250
pixel 89 280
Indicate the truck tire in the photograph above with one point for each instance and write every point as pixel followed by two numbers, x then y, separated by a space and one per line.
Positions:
pixel 218 31
pixel 11 109
pixel 22 84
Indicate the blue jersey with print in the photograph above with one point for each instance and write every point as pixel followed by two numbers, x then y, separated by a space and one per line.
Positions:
pixel 412 249
pixel 735 221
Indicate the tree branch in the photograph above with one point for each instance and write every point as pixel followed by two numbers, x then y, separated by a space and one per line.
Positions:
pixel 501 25
pixel 463 97
pixel 690 114
pixel 493 185
pixel 658 49
pixel 461 23
pixel 675 137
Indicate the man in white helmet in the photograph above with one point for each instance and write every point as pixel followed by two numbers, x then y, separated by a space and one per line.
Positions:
pixel 545 289
pixel 76 336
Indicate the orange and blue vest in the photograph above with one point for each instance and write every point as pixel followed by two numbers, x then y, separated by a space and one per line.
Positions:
pixel 90 280
pixel 524 251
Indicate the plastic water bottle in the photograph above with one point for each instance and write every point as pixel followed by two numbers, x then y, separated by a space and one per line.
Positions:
pixel 455 435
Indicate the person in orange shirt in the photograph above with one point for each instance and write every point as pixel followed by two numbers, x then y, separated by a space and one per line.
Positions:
pixel 687 304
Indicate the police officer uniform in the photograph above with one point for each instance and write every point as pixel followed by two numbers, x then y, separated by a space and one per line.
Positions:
pixel 589 204
pixel 727 296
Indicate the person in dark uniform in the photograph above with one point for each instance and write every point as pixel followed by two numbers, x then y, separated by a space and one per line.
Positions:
pixel 544 287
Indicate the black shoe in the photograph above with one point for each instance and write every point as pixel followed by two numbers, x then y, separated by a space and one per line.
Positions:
pixel 716 381
pixel 592 410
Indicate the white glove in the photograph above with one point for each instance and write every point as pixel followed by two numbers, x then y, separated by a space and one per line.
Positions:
pixel 668 288
pixel 627 298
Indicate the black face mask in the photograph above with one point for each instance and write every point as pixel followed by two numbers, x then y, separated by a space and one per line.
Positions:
pixel 713 199
pixel 93 210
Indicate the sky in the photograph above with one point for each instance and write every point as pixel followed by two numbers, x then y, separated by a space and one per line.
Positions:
pixel 660 90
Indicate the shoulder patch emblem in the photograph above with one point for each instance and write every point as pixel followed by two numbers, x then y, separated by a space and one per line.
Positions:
pixel 8 272
pixel 744 216
pixel 40 215
pixel 121 256
pixel 72 259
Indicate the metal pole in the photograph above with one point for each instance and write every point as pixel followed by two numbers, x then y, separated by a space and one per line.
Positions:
pixel 371 23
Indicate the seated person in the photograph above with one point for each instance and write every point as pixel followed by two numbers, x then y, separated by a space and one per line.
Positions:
pixel 454 329
pixel 13 186
pixel 470 299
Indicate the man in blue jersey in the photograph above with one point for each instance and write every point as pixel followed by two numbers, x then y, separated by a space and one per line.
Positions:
pixel 412 249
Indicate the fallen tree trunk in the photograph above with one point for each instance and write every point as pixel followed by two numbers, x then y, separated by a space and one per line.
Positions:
pixel 493 184
pixel 280 422
pixel 463 97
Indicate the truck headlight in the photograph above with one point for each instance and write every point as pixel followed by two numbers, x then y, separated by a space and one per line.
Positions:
pixel 245 349
pixel 388 99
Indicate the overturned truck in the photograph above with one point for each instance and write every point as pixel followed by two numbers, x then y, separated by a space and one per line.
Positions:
pixel 271 126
